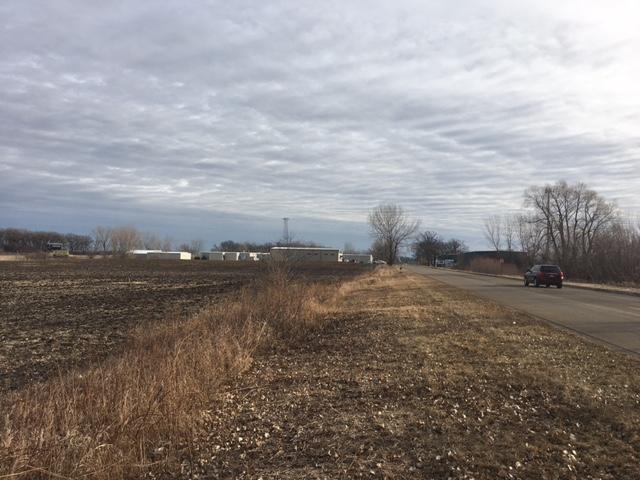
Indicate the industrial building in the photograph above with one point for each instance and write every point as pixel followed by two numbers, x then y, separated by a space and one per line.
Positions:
pixel 169 255
pixel 214 256
pixel 142 253
pixel 357 258
pixel 305 254
pixel 231 256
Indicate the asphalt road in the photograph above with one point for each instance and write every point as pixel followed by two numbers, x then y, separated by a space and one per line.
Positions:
pixel 609 318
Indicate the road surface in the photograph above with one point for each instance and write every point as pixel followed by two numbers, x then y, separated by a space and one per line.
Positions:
pixel 609 318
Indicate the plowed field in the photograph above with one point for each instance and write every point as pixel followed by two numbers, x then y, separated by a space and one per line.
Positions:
pixel 58 314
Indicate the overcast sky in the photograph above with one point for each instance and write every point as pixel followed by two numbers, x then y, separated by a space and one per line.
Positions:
pixel 213 120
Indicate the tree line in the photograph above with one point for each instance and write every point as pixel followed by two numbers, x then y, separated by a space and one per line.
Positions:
pixel 566 224
pixel 122 239
pixel 392 229
pixel 22 240
pixel 573 226
pixel 106 240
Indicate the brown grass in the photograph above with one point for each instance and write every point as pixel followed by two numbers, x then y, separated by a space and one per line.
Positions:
pixel 416 379
pixel 134 411
pixel 493 266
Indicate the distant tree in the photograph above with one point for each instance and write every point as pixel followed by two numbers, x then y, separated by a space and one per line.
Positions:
pixel 102 238
pixel 167 244
pixel 125 239
pixel 349 248
pixel 454 246
pixel 571 218
pixel 391 228
pixel 493 231
pixel 151 241
pixel 427 246
pixel 194 247
pixel 377 249
pixel 78 243
pixel 510 231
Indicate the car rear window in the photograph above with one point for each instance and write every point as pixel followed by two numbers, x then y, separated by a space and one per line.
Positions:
pixel 550 268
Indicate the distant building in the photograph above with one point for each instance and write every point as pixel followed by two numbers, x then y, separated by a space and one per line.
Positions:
pixel 357 258
pixel 214 256
pixel 231 256
pixel 142 253
pixel 169 255
pixel 305 254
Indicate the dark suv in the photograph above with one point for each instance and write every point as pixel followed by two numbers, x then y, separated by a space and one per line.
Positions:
pixel 544 275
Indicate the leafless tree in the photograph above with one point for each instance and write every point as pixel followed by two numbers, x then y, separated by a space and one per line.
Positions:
pixel 151 241
pixel 493 231
pixel 125 239
pixel 196 246
pixel 102 238
pixel 390 227
pixel 454 246
pixel 510 231
pixel 349 248
pixel 571 219
pixel 530 238
pixel 427 246
pixel 167 244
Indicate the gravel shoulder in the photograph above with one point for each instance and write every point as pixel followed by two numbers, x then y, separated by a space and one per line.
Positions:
pixel 416 379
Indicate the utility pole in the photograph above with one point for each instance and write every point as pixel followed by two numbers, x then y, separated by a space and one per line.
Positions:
pixel 285 231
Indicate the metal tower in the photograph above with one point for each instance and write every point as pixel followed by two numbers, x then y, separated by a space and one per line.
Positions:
pixel 285 230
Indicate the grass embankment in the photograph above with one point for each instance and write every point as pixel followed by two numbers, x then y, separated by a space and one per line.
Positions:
pixel 416 379
pixel 136 410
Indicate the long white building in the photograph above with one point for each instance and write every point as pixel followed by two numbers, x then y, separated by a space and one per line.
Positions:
pixel 357 258
pixel 305 254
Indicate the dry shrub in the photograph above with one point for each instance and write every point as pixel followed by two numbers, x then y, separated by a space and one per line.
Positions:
pixel 134 411
pixel 493 266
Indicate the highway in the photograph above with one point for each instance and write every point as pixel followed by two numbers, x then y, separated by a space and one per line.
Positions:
pixel 608 318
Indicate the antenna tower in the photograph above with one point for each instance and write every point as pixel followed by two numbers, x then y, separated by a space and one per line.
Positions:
pixel 285 230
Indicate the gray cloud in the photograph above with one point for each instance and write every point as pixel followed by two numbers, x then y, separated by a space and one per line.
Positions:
pixel 317 111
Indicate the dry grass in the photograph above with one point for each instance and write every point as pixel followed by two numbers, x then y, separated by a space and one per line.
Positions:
pixel 415 379
pixel 134 411
pixel 493 266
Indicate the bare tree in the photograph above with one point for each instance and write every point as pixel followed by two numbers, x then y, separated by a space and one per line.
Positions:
pixel 167 244
pixel 493 231
pixel 454 246
pixel 530 238
pixel 390 227
pixel 151 241
pixel 349 248
pixel 125 239
pixel 196 246
pixel 102 238
pixel 510 231
pixel 427 247
pixel 571 218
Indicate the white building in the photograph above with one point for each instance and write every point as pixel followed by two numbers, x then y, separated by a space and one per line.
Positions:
pixel 215 256
pixel 247 257
pixel 357 258
pixel 169 255
pixel 231 256
pixel 305 254
pixel 142 253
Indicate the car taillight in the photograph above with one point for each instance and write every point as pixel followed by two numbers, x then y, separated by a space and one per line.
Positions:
pixel 561 275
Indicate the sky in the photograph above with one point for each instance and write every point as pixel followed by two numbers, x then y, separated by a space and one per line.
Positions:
pixel 213 120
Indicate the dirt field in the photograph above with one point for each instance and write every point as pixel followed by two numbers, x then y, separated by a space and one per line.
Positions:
pixel 415 379
pixel 57 314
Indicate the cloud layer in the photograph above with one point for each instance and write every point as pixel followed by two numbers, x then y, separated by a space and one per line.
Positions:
pixel 312 110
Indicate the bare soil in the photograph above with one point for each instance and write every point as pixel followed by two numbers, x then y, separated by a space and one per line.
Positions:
pixel 59 314
pixel 416 379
